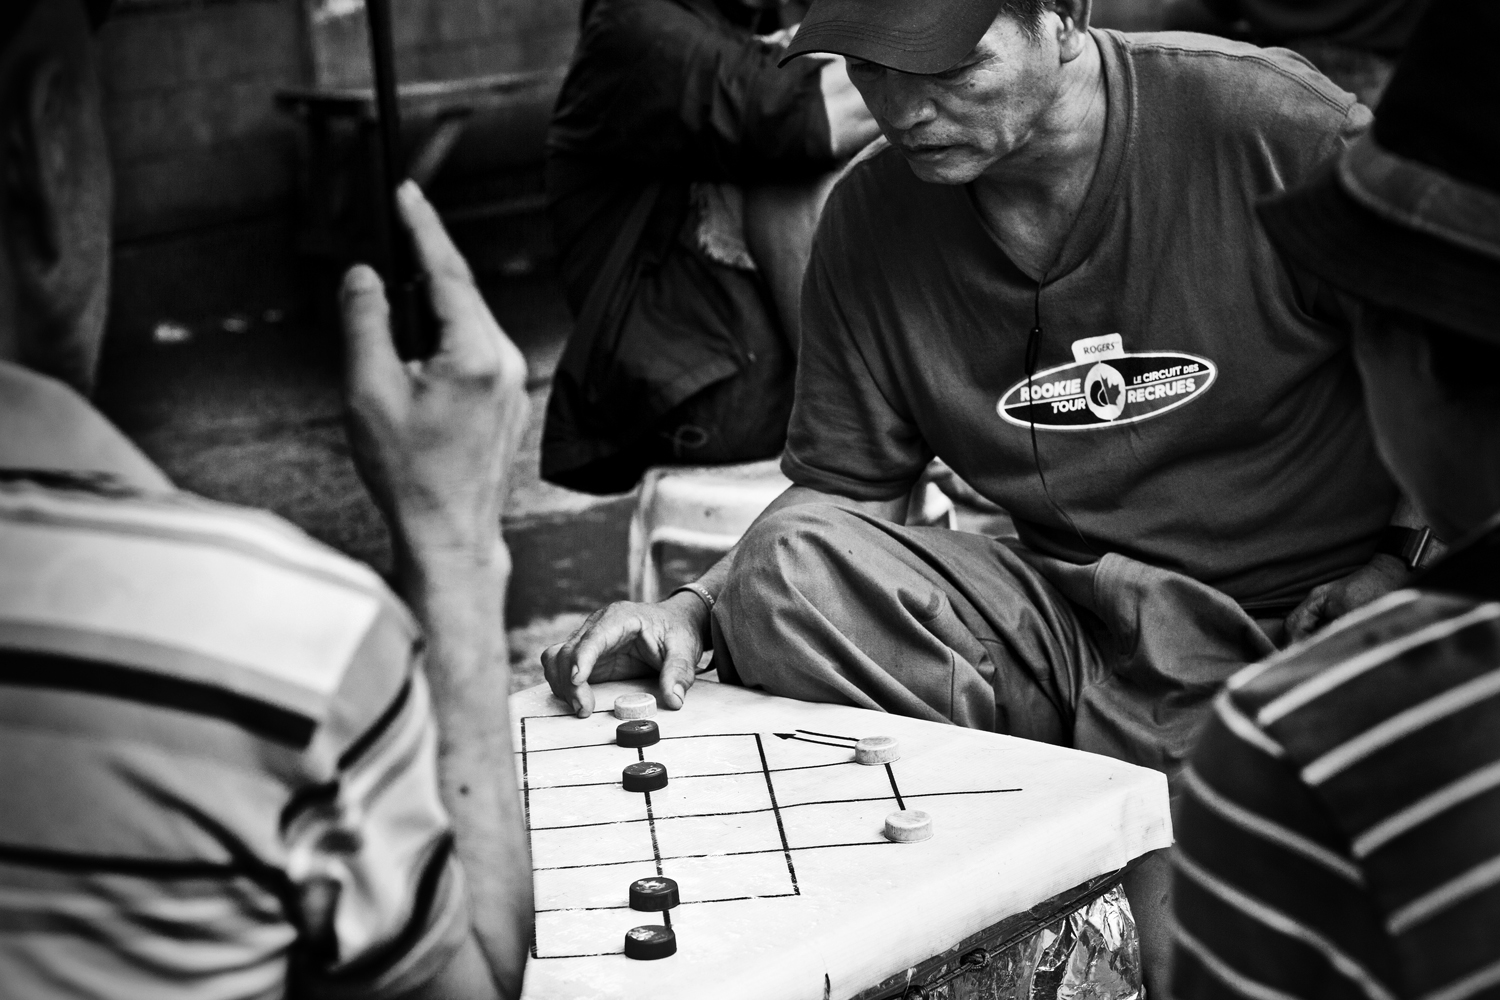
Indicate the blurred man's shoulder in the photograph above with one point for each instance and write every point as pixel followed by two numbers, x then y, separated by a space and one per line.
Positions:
pixel 49 425
pixel 230 602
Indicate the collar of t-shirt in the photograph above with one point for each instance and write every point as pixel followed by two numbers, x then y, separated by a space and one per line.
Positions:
pixel 1099 203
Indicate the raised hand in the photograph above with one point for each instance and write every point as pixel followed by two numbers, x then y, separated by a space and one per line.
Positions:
pixel 433 439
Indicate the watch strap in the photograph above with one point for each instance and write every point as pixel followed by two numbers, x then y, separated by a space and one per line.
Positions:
pixel 701 592
pixel 1407 544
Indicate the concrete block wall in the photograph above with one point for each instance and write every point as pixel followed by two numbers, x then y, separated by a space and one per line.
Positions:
pixel 206 167
pixel 195 137
pixel 442 39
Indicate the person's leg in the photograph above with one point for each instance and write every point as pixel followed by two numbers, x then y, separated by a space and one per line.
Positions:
pixel 827 604
pixel 780 220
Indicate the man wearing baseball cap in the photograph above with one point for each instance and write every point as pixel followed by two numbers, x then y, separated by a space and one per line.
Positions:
pixel 1340 831
pixel 232 763
pixel 1052 277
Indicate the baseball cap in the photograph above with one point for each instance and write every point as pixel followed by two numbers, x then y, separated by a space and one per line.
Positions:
pixel 913 36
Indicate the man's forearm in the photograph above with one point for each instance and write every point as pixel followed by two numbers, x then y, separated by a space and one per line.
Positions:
pixel 460 603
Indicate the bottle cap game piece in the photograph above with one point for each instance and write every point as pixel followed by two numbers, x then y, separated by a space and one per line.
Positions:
pixel 908 826
pixel 877 750
pixel 637 733
pixel 653 894
pixel 636 705
pixel 646 776
pixel 650 941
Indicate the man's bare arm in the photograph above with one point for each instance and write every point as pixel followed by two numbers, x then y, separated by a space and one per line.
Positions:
pixel 433 440
pixel 627 639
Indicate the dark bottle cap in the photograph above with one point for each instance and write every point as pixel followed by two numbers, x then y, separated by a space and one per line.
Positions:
pixel 647 776
pixel 650 941
pixel 637 733
pixel 653 894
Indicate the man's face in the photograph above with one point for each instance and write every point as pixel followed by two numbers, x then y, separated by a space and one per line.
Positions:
pixel 1443 449
pixel 953 126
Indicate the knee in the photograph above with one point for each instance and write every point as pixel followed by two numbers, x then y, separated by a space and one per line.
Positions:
pixel 792 550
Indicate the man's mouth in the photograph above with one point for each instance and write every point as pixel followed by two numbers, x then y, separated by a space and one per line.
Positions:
pixel 924 150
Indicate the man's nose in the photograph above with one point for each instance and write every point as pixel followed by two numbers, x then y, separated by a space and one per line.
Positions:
pixel 905 102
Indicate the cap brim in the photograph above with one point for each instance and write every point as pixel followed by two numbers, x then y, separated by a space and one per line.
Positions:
pixel 1321 228
pixel 913 36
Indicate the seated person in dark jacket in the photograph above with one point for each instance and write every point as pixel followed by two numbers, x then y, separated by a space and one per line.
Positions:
pixel 685 173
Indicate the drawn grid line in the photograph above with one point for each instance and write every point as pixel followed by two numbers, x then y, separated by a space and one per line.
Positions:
pixel 775 808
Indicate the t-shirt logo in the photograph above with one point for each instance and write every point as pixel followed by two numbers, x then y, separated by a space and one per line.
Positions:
pixel 1093 392
pixel 1104 388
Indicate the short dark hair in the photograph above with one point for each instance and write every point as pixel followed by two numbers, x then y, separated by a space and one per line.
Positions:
pixel 1028 14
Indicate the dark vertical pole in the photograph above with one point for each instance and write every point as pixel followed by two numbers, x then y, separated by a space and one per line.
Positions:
pixel 403 279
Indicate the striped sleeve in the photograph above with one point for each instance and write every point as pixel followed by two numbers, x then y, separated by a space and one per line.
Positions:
pixel 1339 834
pixel 217 751
pixel 379 893
pixel 1268 901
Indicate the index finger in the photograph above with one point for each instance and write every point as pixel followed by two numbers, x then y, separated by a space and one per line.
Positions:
pixel 455 298
pixel 1305 617
pixel 435 250
pixel 557 669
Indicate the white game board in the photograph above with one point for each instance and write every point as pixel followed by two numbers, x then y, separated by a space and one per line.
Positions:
pixel 789 888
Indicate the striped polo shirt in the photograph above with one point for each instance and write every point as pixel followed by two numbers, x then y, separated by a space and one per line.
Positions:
pixel 1339 835
pixel 217 758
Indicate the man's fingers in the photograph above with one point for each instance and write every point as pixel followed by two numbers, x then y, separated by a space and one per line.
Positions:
pixel 557 665
pixel 466 320
pixel 579 655
pixel 677 674
pixel 435 250
pixel 370 354
pixel 1307 616
pixel 557 680
pixel 612 631
pixel 584 699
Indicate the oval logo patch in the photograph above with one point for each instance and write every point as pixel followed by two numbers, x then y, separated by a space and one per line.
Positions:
pixel 1119 390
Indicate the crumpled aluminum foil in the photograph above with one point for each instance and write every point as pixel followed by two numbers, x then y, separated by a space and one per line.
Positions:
pixel 1093 954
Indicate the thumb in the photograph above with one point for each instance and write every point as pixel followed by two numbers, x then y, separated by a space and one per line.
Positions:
pixel 678 672
pixel 1304 620
pixel 369 353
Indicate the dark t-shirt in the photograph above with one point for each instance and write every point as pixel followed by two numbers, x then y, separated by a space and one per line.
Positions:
pixel 1190 408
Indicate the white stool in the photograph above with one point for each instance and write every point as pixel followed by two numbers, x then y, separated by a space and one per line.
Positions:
pixel 704 509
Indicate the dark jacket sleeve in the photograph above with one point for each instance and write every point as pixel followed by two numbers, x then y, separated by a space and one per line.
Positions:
pixel 678 93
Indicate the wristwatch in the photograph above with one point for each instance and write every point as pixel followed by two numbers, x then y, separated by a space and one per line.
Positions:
pixel 1407 544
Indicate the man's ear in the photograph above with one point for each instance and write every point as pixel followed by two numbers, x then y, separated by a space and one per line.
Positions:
pixel 36 170
pixel 1073 16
